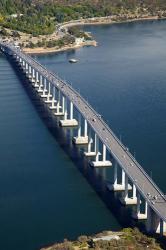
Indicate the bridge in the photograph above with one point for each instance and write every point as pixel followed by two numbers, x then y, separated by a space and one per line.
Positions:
pixel 74 111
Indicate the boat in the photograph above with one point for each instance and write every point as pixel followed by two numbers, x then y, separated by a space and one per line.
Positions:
pixel 72 60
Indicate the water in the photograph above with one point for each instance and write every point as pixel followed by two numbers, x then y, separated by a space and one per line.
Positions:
pixel 124 78
pixel 44 195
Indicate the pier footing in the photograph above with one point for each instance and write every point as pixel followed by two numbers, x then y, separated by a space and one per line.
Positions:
pixel 44 95
pixel 100 164
pixel 81 140
pixel 53 107
pixel 139 216
pixel 68 123
pixel 59 113
pixel 118 187
pixel 128 201
pixel 90 154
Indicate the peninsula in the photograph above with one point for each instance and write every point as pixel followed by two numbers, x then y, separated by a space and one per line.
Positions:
pixel 50 26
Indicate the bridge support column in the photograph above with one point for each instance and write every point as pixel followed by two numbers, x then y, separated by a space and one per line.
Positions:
pixel 53 100
pixel 100 163
pixel 116 174
pixel 28 71
pixel 81 140
pixel 20 60
pixel 126 200
pixel 137 214
pixel 117 187
pixel 59 107
pixel 89 153
pixel 23 64
pixel 33 76
pixel 154 223
pixel 68 122
pixel 44 92
pixel 26 68
pixel 37 80
pixel 40 90
pixel 49 96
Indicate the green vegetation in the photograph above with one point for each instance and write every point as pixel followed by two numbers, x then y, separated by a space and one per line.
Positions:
pixel 76 32
pixel 128 239
pixel 34 24
pixel 66 40
pixel 40 17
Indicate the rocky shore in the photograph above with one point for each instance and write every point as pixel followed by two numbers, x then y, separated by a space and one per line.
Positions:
pixel 126 239
pixel 42 50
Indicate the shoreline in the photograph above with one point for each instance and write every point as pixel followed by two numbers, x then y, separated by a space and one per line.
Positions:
pixel 83 22
pixel 110 240
pixel 41 50
pixel 106 20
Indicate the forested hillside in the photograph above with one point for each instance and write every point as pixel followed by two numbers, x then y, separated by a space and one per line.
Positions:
pixel 40 16
pixel 10 6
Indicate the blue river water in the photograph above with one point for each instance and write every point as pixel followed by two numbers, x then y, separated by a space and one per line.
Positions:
pixel 46 192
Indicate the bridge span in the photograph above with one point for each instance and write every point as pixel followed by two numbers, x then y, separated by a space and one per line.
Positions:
pixel 92 131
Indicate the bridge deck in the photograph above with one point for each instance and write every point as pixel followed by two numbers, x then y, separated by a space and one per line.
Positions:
pixel 135 172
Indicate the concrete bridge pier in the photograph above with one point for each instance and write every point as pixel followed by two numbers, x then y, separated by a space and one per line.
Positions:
pixel 138 215
pixel 100 163
pixel 68 122
pixel 79 139
pixel 89 152
pixel 49 95
pixel 40 89
pixel 117 187
pixel 16 57
pixel 44 92
pixel 36 85
pixel 53 99
pixel 23 64
pixel 33 76
pixel 154 223
pixel 125 199
pixel 30 72
pixel 59 109
pixel 113 187
pixel 26 68
pixel 19 59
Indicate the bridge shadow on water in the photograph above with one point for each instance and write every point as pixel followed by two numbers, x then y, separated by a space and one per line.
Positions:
pixel 63 136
